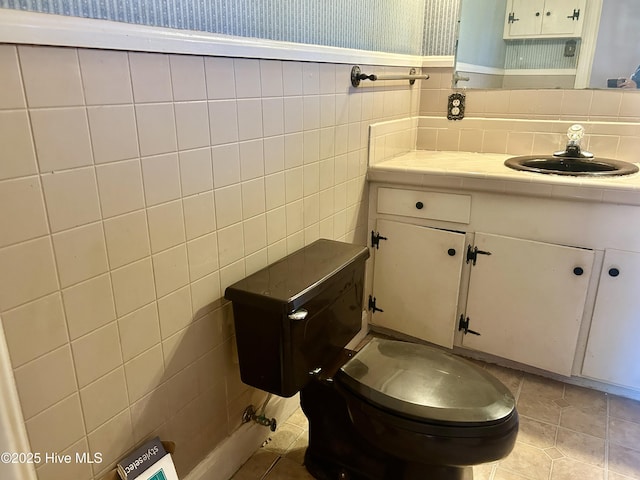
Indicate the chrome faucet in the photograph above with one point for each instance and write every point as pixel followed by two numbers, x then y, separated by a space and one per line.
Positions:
pixel 573 149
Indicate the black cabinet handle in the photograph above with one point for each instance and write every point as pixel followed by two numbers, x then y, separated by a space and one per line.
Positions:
pixel 614 272
pixel 451 252
pixel 419 205
pixel 578 271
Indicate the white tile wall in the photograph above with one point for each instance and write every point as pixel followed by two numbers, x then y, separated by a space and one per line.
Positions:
pixel 134 187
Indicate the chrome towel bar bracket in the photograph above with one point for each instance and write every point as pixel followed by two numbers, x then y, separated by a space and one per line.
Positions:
pixel 357 76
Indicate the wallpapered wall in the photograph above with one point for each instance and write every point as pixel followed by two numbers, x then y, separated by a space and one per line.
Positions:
pixel 415 27
pixel 540 53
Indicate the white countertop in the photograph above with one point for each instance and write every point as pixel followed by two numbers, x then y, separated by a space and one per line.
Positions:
pixel 486 172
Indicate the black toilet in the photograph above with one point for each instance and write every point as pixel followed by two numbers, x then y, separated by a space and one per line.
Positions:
pixel 391 410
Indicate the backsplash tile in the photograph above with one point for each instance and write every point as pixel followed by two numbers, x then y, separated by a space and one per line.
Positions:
pixel 153 182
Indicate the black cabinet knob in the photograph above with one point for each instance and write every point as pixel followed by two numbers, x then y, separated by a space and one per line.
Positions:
pixel 537 14
pixel 419 205
pixel 451 252
pixel 578 271
pixel 614 272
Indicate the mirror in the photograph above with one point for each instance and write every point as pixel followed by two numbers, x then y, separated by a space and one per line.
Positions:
pixel 516 44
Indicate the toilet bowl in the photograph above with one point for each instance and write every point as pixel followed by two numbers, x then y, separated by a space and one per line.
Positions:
pixel 392 410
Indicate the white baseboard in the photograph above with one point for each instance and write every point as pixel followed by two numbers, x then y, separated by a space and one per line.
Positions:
pixel 235 450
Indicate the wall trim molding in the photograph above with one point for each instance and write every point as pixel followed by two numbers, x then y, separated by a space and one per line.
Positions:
pixel 541 71
pixel 471 68
pixel 33 28
pixel 444 61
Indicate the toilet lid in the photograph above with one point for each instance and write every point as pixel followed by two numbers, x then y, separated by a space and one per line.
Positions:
pixel 426 384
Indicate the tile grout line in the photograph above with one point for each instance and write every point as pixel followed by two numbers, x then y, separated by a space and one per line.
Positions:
pixel 271 468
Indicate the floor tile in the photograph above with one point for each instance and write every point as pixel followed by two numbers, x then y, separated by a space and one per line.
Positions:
pixel 553 453
pixel 568 469
pixel 298 419
pixel 585 398
pixel 512 379
pixel 483 472
pixel 528 461
pixel 287 469
pixel 542 387
pixel 503 474
pixel 624 408
pixel 536 433
pixel 534 405
pixel 622 432
pixel 284 437
pixel 259 464
pixel 297 449
pixel 584 421
pixel 617 476
pixel 624 461
pixel 581 447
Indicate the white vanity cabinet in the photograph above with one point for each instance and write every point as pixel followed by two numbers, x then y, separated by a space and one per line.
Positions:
pixel 526 300
pixel 544 18
pixel 548 289
pixel 613 348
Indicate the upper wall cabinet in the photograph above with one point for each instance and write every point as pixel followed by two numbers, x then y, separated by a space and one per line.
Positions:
pixel 544 18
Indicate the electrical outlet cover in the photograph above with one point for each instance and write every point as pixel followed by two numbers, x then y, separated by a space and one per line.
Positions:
pixel 455 107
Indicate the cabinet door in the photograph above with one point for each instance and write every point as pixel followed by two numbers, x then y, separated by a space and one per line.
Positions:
pixel 526 300
pixel 612 348
pixel 544 18
pixel 559 18
pixel 526 18
pixel 417 280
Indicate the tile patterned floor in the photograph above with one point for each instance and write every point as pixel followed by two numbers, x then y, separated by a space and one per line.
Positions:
pixel 566 433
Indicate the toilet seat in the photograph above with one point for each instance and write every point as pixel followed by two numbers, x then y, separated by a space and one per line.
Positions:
pixel 426 385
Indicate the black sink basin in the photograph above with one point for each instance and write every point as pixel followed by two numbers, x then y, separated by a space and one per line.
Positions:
pixel 592 167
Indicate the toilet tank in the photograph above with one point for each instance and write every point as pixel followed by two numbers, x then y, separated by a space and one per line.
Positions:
pixel 296 315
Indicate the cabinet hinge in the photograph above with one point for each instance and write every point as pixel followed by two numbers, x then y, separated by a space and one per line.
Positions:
pixel 512 18
pixel 472 254
pixel 372 305
pixel 576 14
pixel 375 239
pixel 463 325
